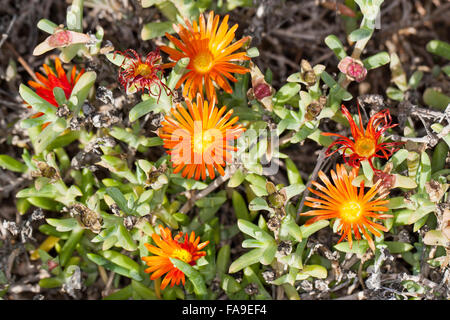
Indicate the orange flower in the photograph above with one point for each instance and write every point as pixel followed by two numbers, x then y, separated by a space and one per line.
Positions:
pixel 199 139
pixel 45 88
pixel 187 251
pixel 207 45
pixel 366 144
pixel 143 72
pixel 352 207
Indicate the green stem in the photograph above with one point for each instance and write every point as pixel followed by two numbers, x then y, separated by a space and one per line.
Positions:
pixel 71 243
pixel 290 292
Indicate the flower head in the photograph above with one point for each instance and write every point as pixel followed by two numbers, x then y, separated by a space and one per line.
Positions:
pixel 352 207
pixel 207 45
pixel 198 139
pixel 44 88
pixel 187 251
pixel 366 143
pixel 143 72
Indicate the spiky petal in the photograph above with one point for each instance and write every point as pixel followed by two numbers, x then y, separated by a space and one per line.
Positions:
pixel 44 88
pixel 199 139
pixel 167 247
pixel 354 208
pixel 208 46
pixel 367 143
pixel 143 72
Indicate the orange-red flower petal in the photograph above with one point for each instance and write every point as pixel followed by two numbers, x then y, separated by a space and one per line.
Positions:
pixel 44 88
pixel 168 247
pixel 366 143
pixel 143 72
pixel 199 139
pixel 342 200
pixel 208 46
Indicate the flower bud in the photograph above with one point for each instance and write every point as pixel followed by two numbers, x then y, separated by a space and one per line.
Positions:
pixel 387 181
pixel 308 74
pixel 276 200
pixel 353 68
pixel 261 91
pixel 51 265
pixel 270 187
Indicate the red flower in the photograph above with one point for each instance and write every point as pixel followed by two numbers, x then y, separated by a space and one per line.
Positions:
pixel 45 88
pixel 366 144
pixel 143 72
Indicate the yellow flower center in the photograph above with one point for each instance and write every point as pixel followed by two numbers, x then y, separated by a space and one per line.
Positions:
pixel 350 211
pixel 202 140
pixel 203 62
pixel 143 70
pixel 365 146
pixel 182 255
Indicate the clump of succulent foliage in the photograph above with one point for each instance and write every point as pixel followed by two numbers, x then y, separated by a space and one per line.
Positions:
pixel 118 205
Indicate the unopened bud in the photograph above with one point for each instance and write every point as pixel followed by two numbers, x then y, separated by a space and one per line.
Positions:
pixel 310 77
pixel 313 110
pixel 308 74
pixel 387 180
pixel 51 265
pixel 354 69
pixel 276 200
pixel 271 188
pixel 261 91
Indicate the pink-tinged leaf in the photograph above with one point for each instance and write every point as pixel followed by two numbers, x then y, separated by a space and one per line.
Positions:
pixel 60 39
pixel 344 63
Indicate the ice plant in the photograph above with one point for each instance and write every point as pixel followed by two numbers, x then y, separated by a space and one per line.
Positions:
pixel 198 139
pixel 44 88
pixel 168 247
pixel 142 72
pixel 353 207
pixel 366 143
pixel 207 45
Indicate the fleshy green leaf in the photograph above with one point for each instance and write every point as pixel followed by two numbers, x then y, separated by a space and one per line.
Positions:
pixel 9 163
pixel 156 29
pixel 377 60
pixel 440 48
pixel 236 180
pixel 239 205
pixel 109 265
pixel 247 259
pixel 360 34
pixel 194 276
pixel 336 45
pixel 359 247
